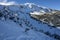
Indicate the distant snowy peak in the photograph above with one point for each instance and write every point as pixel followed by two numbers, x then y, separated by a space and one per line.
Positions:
pixel 38 7
pixel 29 4
pixel 32 4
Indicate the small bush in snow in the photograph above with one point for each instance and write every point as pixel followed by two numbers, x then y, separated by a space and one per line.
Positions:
pixel 11 18
pixel 56 36
pixel 1 14
pixel 27 29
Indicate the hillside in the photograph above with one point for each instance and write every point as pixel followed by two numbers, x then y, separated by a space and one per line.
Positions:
pixel 16 23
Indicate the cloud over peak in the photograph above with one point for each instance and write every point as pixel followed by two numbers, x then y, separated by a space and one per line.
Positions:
pixel 5 2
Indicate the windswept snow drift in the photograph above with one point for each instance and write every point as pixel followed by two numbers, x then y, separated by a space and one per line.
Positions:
pixel 16 23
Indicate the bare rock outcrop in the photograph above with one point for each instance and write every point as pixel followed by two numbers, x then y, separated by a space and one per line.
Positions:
pixel 52 19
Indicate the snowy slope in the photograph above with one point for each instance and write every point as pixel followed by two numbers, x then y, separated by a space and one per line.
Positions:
pixel 10 31
pixel 16 23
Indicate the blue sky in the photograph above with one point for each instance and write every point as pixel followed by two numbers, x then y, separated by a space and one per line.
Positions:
pixel 54 4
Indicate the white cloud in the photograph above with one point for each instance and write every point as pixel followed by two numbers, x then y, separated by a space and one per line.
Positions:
pixel 5 2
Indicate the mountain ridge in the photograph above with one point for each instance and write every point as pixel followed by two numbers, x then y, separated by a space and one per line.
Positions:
pixel 25 25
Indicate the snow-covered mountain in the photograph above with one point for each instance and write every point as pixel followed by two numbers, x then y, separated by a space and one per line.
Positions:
pixel 16 23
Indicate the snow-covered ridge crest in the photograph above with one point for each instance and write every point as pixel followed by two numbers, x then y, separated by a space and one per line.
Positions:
pixel 5 2
pixel 30 6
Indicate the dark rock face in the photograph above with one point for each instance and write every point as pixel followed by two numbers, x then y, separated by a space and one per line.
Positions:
pixel 52 19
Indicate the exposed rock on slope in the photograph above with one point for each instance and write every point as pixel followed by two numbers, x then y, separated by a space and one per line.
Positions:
pixel 52 19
